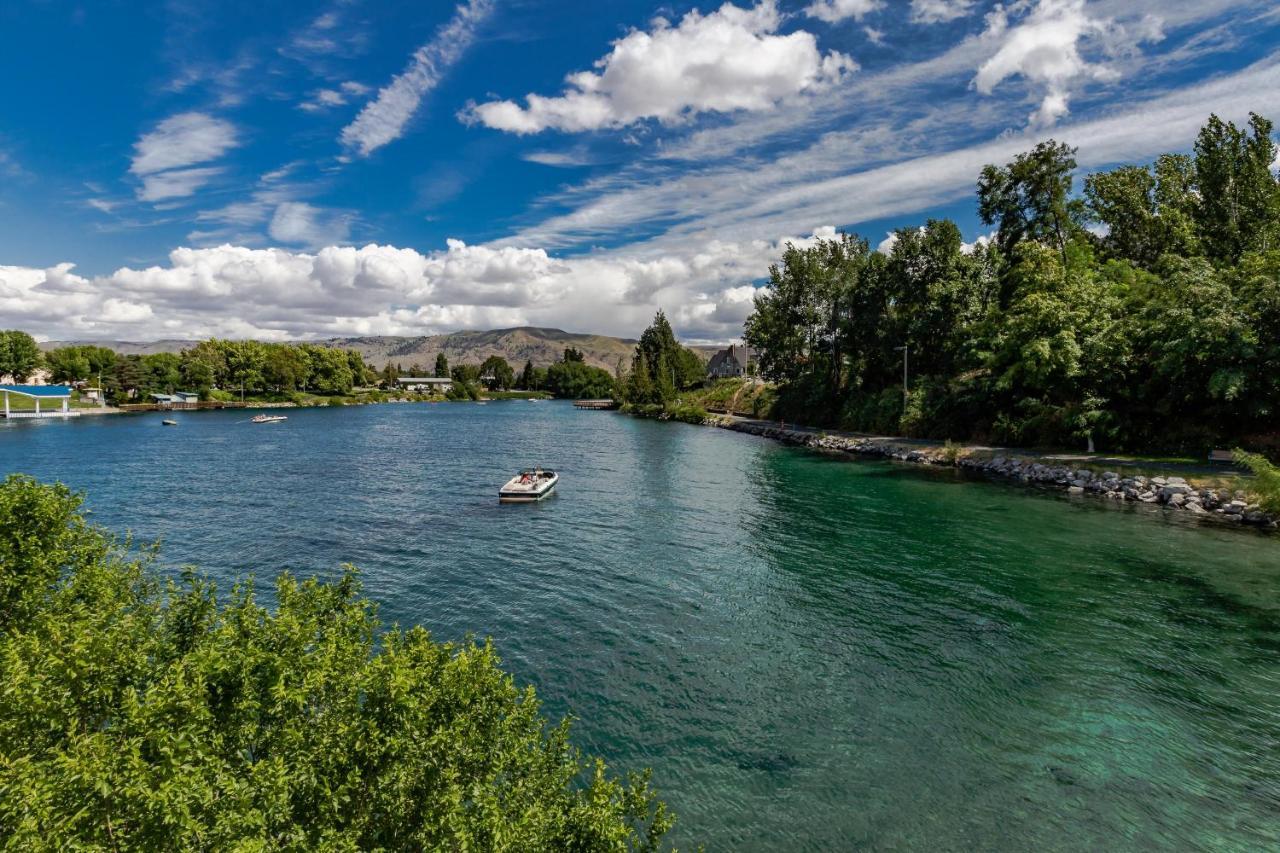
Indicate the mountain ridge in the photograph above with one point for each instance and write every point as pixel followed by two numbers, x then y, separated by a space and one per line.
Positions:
pixel 542 346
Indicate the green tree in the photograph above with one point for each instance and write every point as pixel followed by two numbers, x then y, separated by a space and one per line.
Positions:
pixel 442 365
pixel 573 354
pixel 499 374
pixel 161 372
pixel 639 390
pixel 204 365
pixel 528 380
pixel 361 373
pixel 330 369
pixel 1030 198
pixel 67 364
pixel 285 367
pixel 145 714
pixel 577 381
pixel 245 362
pixel 1239 207
pixel 19 355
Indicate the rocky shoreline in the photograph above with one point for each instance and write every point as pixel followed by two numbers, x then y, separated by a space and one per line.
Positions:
pixel 1170 492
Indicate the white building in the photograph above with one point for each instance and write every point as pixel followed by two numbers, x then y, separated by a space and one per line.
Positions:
pixel 425 384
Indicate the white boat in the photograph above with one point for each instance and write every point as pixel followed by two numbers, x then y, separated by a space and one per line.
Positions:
pixel 530 485
pixel 268 419
pixel 168 422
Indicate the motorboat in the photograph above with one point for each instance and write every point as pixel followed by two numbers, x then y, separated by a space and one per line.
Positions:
pixel 532 484
pixel 168 422
pixel 267 419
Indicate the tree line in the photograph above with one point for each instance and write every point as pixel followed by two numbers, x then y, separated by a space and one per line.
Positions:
pixel 1143 313
pixel 239 367
pixel 570 377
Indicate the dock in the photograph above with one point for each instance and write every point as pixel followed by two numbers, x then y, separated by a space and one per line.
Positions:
pixel 59 395
pixel 594 404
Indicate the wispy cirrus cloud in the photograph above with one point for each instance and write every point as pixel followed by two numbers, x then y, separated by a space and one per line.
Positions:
pixel 822 183
pixel 939 11
pixel 384 119
pixel 164 156
pixel 834 11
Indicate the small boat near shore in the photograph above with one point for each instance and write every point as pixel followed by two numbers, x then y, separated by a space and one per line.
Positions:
pixel 268 419
pixel 528 486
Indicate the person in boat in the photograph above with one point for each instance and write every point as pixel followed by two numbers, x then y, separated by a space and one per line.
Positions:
pixel 525 479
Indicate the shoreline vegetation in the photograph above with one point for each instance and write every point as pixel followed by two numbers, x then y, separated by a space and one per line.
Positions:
pixel 148 713
pixel 1140 317
pixel 242 373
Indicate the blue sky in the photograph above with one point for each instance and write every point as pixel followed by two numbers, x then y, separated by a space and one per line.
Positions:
pixel 278 170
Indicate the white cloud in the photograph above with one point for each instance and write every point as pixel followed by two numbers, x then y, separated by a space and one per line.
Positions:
pixel 324 99
pixel 182 140
pixel 161 157
pixel 824 183
pixel 873 35
pixel 939 11
pixel 302 224
pixel 274 293
pixel 176 183
pixel 833 11
pixel 102 205
pixel 383 120
pixel 1043 47
pixel 729 60
pixel 556 158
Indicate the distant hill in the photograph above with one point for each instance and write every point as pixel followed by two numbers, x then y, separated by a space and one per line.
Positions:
pixel 526 343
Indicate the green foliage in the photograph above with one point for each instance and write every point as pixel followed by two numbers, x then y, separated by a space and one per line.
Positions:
pixel 688 413
pixel 661 367
pixel 1030 198
pixel 141 714
pixel 1163 334
pixel 442 366
pixel 1239 207
pixel 19 355
pixel 67 364
pixel 575 380
pixel 1266 479
pixel 529 379
pixel 496 374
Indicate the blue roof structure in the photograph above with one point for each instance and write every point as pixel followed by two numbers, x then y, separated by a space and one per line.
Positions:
pixel 38 390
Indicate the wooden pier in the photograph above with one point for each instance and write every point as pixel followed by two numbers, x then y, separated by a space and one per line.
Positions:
pixel 595 404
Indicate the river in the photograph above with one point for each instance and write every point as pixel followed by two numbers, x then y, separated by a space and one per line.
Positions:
pixel 810 653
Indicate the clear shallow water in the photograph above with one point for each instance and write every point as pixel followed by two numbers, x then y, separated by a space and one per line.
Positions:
pixel 809 653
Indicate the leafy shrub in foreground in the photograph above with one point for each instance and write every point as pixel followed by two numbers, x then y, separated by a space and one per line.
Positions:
pixel 151 715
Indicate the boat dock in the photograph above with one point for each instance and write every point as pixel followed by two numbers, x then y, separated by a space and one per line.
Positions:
pixel 595 404
pixel 59 395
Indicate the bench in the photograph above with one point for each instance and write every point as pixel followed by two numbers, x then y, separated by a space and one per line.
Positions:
pixel 1222 456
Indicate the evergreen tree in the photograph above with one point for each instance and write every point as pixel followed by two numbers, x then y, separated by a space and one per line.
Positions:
pixel 442 365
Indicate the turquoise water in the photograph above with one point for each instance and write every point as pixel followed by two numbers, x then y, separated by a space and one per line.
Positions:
pixel 809 653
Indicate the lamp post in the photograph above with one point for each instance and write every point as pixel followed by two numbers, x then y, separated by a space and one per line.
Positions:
pixel 904 349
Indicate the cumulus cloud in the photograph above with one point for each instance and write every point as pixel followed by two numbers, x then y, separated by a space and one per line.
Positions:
pixel 162 156
pixel 833 11
pixel 383 120
pixel 730 60
pixel 275 293
pixel 939 11
pixel 1043 47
